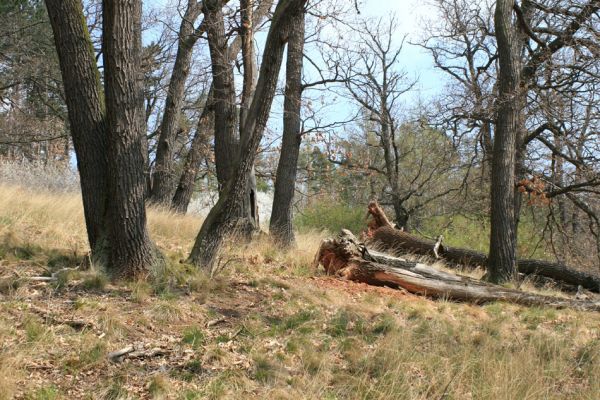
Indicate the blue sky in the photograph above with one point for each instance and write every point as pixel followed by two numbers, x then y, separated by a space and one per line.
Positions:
pixel 411 15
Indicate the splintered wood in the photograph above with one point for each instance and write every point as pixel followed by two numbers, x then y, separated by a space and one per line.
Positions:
pixel 345 257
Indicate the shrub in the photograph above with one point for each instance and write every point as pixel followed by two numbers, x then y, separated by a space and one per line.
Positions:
pixel 331 217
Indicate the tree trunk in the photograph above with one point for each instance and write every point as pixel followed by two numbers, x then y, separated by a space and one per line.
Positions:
pixel 198 151
pixel 384 237
pixel 85 104
pixel 184 191
pixel 345 257
pixel 131 251
pixel 223 217
pixel 503 240
pixel 226 139
pixel 249 205
pixel 163 176
pixel 281 224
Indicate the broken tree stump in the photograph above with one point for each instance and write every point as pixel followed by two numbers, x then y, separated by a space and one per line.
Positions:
pixel 385 237
pixel 345 257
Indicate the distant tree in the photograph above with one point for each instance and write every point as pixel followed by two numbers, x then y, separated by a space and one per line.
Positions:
pixel 163 177
pixel 205 127
pixel 32 109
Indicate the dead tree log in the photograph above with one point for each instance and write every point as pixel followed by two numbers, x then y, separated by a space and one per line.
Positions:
pixel 347 258
pixel 385 237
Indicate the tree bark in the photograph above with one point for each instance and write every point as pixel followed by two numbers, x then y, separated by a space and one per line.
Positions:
pixel 503 240
pixel 163 175
pixel 223 217
pixel 384 237
pixel 226 139
pixel 281 225
pixel 347 258
pixel 198 151
pixel 131 251
pixel 85 104
pixel 184 191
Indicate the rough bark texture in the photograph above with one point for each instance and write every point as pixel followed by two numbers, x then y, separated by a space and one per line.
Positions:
pixel 198 151
pixel 131 250
pixel 184 191
pixel 163 178
pixel 226 139
pixel 85 104
pixel 250 205
pixel 281 225
pixel 347 258
pixel 503 240
pixel 384 237
pixel 223 217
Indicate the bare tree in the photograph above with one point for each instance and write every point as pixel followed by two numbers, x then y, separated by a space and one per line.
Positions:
pixel 163 179
pixel 281 225
pixel 224 217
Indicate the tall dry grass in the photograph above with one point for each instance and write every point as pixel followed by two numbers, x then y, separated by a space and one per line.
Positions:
pixel 54 220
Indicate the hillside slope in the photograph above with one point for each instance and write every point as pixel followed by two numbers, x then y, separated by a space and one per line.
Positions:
pixel 268 327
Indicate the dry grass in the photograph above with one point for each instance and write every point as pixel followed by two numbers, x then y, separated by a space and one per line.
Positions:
pixel 267 327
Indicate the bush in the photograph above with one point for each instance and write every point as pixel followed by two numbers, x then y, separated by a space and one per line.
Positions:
pixel 331 217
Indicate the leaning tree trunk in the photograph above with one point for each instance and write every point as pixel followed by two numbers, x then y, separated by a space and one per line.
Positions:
pixel 184 191
pixel 163 175
pixel 227 139
pixel 223 217
pixel 85 104
pixel 131 251
pixel 503 240
pixel 281 225
pixel 198 151
pixel 345 257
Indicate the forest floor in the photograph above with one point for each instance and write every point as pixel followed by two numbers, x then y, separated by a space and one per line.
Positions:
pixel 269 326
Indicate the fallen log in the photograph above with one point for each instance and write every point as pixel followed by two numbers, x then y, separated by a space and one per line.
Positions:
pixel 346 257
pixel 385 237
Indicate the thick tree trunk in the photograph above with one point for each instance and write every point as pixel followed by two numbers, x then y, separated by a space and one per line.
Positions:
pixel 163 175
pixel 85 104
pixel 131 251
pixel 281 225
pixel 503 240
pixel 223 217
pixel 347 258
